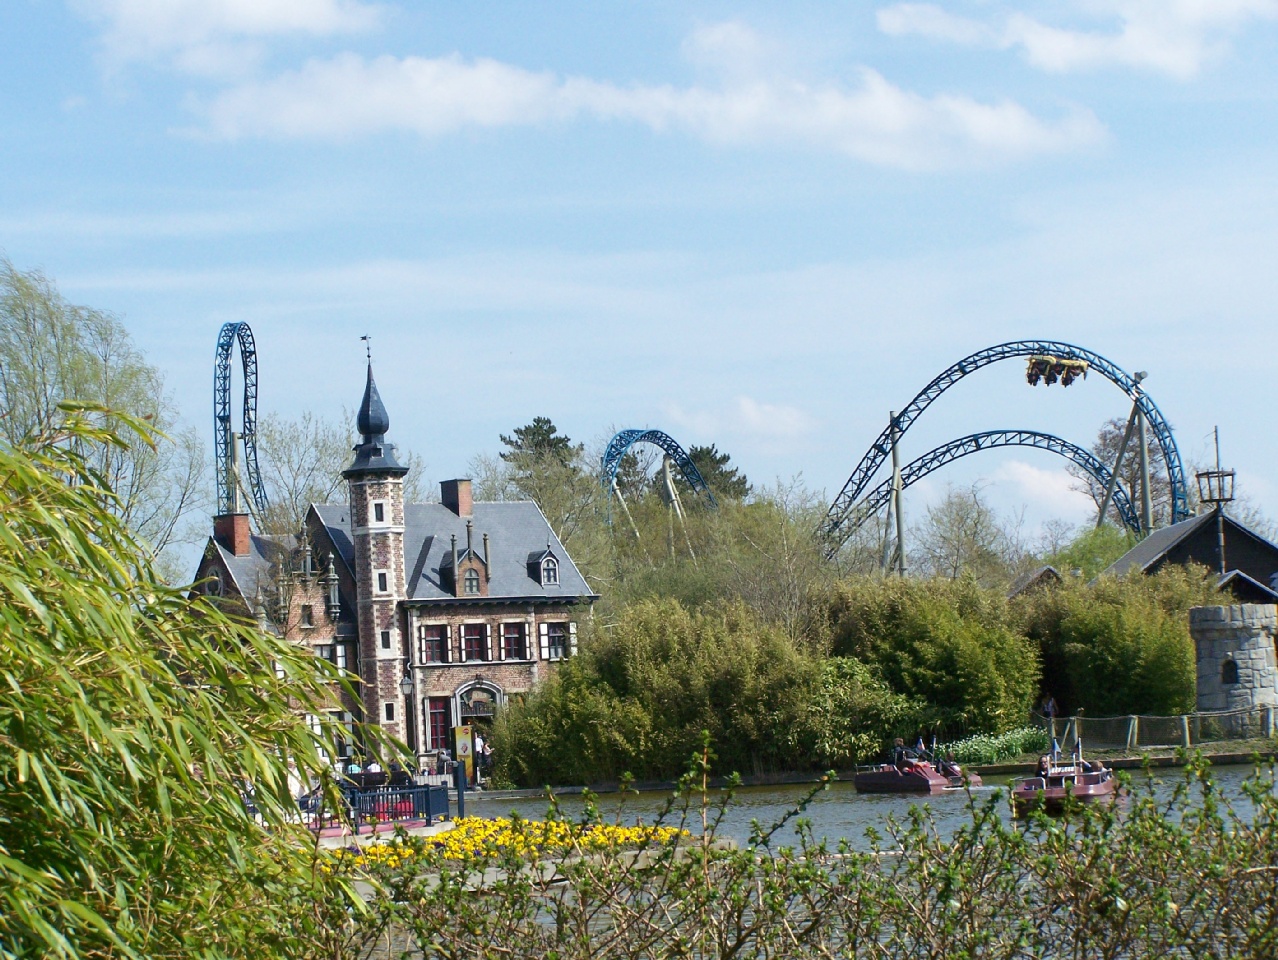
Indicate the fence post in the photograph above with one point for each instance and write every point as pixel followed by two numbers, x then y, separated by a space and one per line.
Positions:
pixel 1267 720
pixel 1133 732
pixel 1184 731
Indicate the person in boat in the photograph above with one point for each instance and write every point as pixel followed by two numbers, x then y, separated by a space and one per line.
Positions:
pixel 949 767
pixel 902 757
pixel 1044 765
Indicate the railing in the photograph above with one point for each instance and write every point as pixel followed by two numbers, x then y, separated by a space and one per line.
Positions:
pixel 1135 731
pixel 413 802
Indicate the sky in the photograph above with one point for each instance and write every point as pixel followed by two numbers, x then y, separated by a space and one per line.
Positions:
pixel 757 225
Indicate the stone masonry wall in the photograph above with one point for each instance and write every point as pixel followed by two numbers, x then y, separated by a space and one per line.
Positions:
pixel 1243 634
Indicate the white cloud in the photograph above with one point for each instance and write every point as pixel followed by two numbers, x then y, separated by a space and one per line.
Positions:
pixel 1174 37
pixel 871 119
pixel 217 37
pixel 746 418
pixel 1045 491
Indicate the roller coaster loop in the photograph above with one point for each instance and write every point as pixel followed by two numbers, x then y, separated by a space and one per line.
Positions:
pixel 223 449
pixel 845 504
pixel 877 498
pixel 625 439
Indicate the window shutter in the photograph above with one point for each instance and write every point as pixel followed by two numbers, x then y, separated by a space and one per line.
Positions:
pixel 446 644
pixel 488 641
pixel 572 639
pixel 544 630
pixel 501 643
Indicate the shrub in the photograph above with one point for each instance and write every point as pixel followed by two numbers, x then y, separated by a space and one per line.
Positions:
pixel 987 749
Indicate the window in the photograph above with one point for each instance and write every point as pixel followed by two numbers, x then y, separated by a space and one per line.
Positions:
pixel 432 643
pixel 389 709
pixel 379 512
pixel 334 653
pixel 549 572
pixel 1229 672
pixel 475 641
pixel 279 669
pixel 308 615
pixel 471 583
pixel 386 640
pixel 382 582
pixel 556 641
pixel 437 710
pixel 514 641
pixel 345 734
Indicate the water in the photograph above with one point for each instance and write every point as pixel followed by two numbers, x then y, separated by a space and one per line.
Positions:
pixel 838 812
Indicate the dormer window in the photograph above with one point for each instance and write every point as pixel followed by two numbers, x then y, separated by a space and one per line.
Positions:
pixel 550 572
pixel 470 583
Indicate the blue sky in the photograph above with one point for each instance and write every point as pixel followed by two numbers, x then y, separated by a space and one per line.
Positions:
pixel 757 225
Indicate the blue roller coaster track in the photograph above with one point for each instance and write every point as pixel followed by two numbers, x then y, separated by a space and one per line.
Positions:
pixel 845 505
pixel 222 437
pixel 916 470
pixel 626 439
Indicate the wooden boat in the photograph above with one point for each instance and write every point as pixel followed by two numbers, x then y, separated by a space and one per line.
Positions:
pixel 1086 783
pixel 913 776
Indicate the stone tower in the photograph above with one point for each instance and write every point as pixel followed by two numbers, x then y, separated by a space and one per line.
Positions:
pixel 376 484
pixel 1236 661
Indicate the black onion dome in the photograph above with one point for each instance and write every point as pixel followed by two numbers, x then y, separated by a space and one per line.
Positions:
pixel 373 454
pixel 373 419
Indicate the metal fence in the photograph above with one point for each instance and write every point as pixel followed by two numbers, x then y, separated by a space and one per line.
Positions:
pixel 416 802
pixel 1137 731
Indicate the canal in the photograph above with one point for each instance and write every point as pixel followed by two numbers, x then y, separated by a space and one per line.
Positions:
pixel 838 812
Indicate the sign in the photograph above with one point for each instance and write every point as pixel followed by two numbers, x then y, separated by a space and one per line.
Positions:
pixel 465 750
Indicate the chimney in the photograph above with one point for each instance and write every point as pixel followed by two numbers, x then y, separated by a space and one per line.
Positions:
pixel 231 531
pixel 457 497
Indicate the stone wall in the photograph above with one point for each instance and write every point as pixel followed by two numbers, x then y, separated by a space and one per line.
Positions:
pixel 1240 638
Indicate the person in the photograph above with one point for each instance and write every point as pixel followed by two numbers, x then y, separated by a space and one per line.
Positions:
pixel 1048 706
pixel 950 767
pixel 1043 765
pixel 352 766
pixel 480 747
pixel 901 756
pixel 373 766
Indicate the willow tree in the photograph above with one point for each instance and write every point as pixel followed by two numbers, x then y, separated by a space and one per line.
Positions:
pixel 146 808
pixel 53 351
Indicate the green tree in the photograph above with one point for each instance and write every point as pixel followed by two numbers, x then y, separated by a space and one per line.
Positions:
pixel 52 351
pixel 539 440
pixel 724 481
pixel 1092 551
pixel 131 719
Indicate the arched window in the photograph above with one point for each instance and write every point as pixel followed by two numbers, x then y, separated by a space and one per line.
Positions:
pixel 1229 672
pixel 549 572
pixel 470 583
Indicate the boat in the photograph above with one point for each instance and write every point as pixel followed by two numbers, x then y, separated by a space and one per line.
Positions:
pixel 912 776
pixel 1057 780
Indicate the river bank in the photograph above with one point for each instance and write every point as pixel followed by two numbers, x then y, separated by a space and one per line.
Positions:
pixel 1225 753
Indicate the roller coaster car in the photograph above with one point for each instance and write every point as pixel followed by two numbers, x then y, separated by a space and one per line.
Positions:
pixel 1049 369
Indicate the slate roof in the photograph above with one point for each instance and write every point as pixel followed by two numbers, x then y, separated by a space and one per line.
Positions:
pixel 515 529
pixel 255 566
pixel 1246 589
pixel 1033 578
pixel 1150 550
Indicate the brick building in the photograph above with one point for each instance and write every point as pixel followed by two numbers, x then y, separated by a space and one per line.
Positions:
pixel 472 602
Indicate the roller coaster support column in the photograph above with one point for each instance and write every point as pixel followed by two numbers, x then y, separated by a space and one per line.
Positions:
pixel 1146 499
pixel 897 499
pixel 1118 464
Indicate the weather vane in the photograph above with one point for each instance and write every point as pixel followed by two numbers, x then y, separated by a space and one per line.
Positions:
pixel 368 347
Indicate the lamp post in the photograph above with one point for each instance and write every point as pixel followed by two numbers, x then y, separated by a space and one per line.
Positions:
pixel 406 687
pixel 1217 487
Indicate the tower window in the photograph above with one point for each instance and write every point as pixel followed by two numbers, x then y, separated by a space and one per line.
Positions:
pixel 382 582
pixel 390 710
pixel 386 640
pixel 1229 672
pixel 470 583
pixel 378 512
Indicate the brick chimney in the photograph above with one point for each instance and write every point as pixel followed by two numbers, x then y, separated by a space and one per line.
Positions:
pixel 456 496
pixel 231 530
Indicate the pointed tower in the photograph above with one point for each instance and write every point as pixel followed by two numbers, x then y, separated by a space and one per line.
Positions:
pixel 375 480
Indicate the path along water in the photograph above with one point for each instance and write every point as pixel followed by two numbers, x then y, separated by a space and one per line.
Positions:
pixel 838 812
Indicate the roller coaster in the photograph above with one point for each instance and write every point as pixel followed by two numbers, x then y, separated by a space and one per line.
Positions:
pixel 1049 359
pixel 229 484
pixel 621 443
